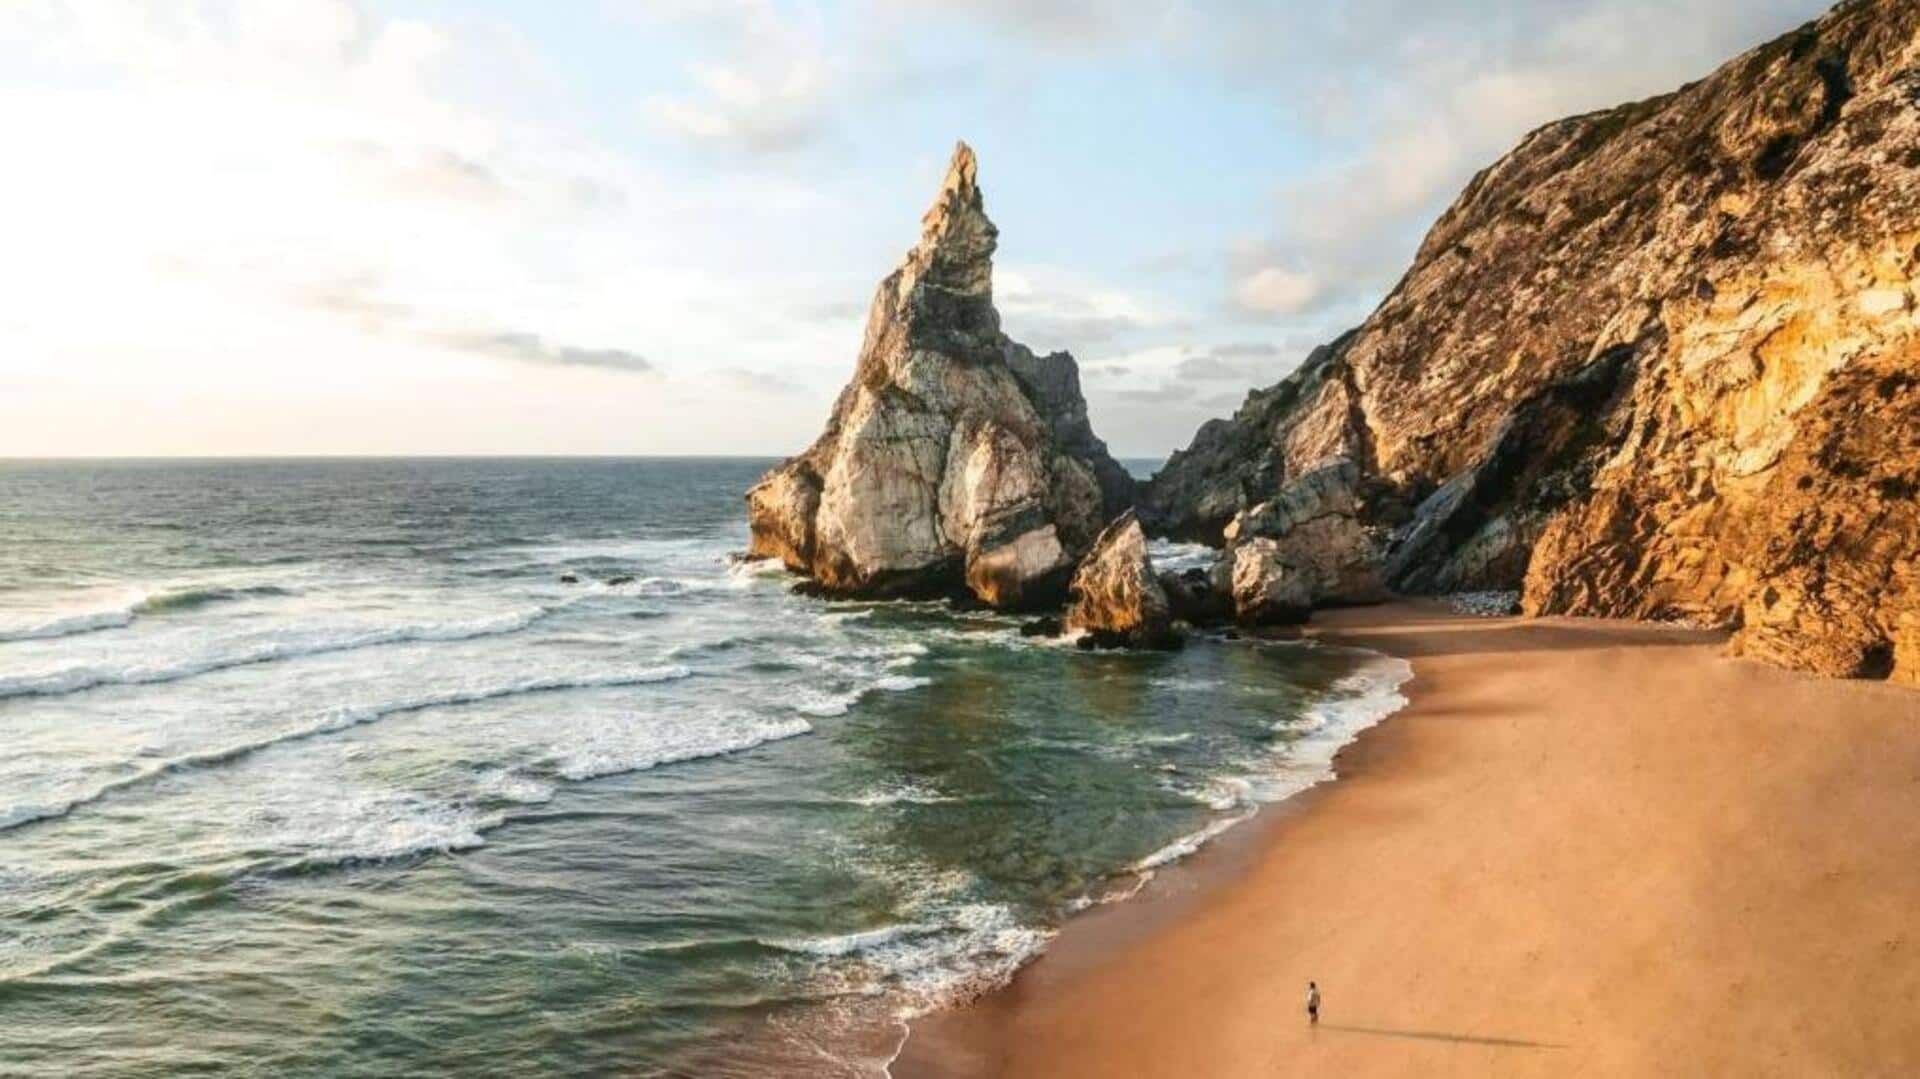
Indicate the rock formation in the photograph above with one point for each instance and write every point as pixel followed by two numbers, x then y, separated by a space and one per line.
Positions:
pixel 956 460
pixel 1116 596
pixel 1661 361
pixel 1314 529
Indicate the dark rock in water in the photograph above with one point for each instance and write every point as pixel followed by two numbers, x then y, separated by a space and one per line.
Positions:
pixel 1042 627
pixel 617 581
pixel 1117 597
pixel 1103 640
pixel 1194 600
pixel 569 578
pixel 1661 361
pixel 955 458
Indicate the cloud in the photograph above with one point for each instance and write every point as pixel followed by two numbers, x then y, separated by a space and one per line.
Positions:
pixel 1066 26
pixel 531 348
pixel 356 301
pixel 760 382
pixel 834 311
pixel 1223 402
pixel 1247 363
pixel 1049 308
pixel 764 84
pixel 1165 393
pixel 1275 290
pixel 761 112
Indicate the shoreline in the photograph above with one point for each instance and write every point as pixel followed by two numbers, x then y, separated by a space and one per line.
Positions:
pixel 1558 866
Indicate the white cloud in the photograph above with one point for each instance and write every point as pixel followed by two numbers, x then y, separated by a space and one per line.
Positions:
pixel 1275 290
pixel 765 82
pixel 761 112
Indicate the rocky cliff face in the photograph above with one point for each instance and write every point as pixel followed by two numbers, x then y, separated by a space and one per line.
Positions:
pixel 956 460
pixel 1661 361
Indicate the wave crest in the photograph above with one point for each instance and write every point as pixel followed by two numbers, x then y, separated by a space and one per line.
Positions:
pixel 74 679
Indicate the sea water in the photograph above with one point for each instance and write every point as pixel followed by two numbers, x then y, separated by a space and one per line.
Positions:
pixel 395 767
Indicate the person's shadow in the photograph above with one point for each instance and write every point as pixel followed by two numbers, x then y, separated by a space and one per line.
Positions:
pixel 1439 1036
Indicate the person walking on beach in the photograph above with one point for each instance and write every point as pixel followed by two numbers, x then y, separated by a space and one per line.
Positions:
pixel 1313 1003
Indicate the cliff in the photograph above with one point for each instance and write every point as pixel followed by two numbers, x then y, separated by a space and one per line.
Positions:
pixel 956 461
pixel 1658 362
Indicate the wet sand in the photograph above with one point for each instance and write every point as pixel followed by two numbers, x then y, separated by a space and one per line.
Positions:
pixel 1585 848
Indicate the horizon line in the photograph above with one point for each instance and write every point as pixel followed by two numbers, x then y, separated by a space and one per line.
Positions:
pixel 21 458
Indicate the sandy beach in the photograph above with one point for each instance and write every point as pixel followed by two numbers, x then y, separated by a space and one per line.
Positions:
pixel 1585 848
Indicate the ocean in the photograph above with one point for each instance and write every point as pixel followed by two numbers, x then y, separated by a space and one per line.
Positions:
pixel 507 766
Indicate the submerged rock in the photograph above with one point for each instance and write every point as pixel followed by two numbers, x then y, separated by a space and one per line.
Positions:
pixel 1660 361
pixel 1117 598
pixel 955 459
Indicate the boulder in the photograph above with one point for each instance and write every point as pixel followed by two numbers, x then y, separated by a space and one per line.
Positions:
pixel 955 461
pixel 1267 589
pixel 1315 527
pixel 1117 599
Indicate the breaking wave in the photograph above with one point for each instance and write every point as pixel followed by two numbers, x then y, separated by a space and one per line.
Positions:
pixel 339 719
pixel 74 679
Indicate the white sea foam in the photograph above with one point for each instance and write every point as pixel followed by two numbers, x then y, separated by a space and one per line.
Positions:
pixel 1171 557
pixel 508 786
pixel 848 943
pixel 1189 685
pixel 339 719
pixel 1187 844
pixel 45 627
pixel 898 793
pixel 1222 794
pixel 671 745
pixel 826 705
pixel 980 952
pixel 121 610
pixel 1356 702
pixel 381 829
pixel 1164 739
pixel 953 953
pixel 75 678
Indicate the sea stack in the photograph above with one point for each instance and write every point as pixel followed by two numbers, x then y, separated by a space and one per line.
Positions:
pixel 956 462
pixel 1118 600
pixel 1661 361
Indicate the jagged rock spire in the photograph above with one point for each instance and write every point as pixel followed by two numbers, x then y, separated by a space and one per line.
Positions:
pixel 955 460
pixel 957 240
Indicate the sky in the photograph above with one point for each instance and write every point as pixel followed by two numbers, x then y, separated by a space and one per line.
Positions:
pixel 280 227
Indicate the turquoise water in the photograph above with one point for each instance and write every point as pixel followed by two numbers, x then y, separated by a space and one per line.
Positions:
pixel 320 768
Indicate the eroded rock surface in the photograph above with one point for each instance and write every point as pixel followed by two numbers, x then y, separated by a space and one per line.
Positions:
pixel 956 460
pixel 1657 362
pixel 1116 596
pixel 1316 527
